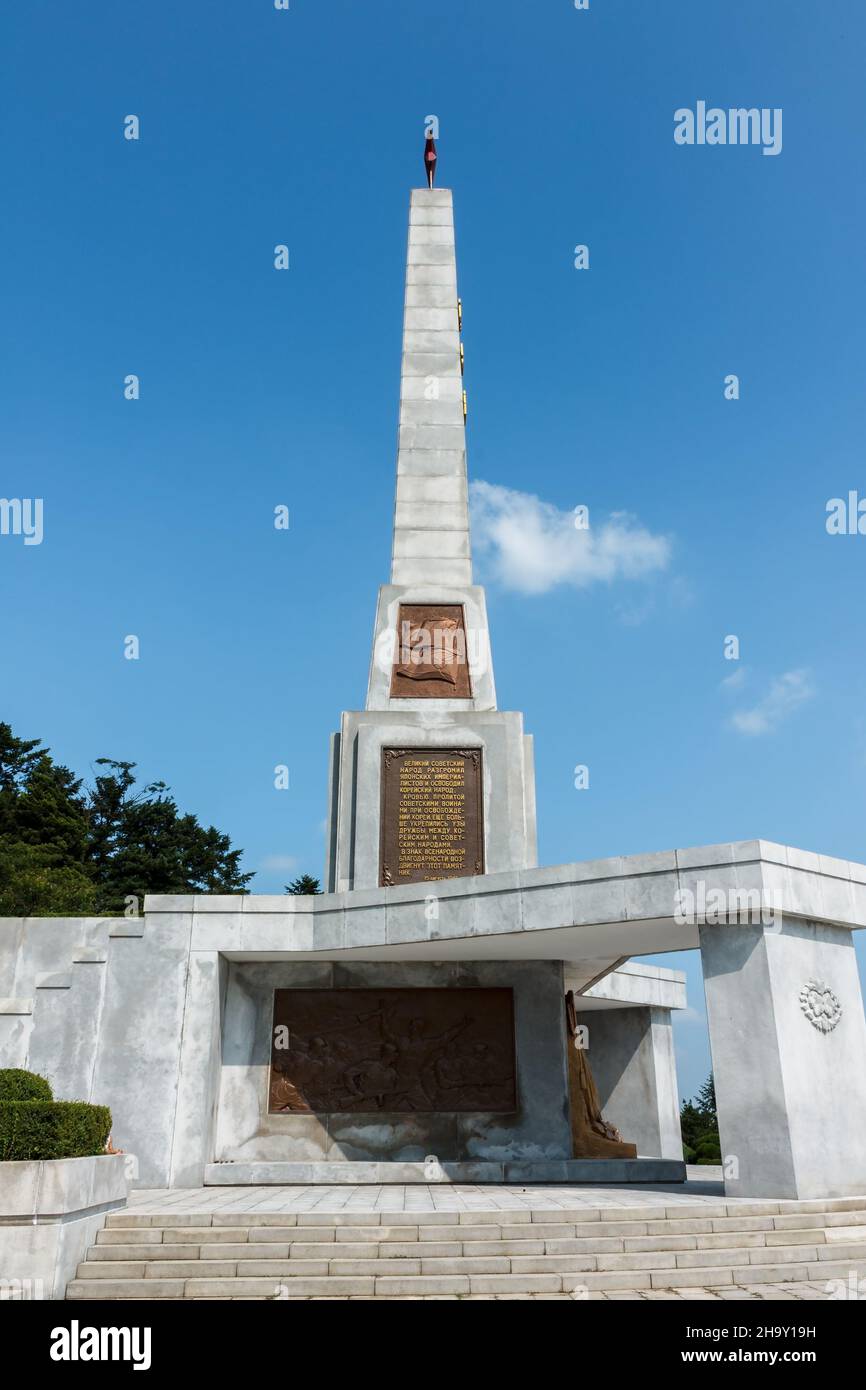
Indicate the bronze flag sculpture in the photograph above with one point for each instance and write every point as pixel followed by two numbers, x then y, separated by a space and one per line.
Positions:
pixel 430 158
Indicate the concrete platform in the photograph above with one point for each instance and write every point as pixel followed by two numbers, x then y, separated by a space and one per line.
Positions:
pixel 703 1185
pixel 594 1172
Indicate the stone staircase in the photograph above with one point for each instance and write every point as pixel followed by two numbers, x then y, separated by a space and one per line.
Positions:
pixel 473 1254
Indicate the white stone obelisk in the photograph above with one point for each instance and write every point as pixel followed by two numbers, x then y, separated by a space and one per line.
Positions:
pixel 431 519
pixel 431 567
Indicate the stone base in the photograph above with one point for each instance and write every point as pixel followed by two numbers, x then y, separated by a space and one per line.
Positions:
pixel 50 1213
pixel 591 1171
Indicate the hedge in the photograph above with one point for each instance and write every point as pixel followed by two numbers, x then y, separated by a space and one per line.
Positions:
pixel 23 1085
pixel 37 1129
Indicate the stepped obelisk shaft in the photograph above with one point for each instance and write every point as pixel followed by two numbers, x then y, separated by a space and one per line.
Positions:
pixel 431 520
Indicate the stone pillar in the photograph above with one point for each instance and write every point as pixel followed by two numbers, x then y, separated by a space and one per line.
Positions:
pixel 199 1071
pixel 631 1054
pixel 788 1041
pixel 138 1051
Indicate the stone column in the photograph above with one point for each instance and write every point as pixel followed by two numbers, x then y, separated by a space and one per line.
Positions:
pixel 199 1071
pixel 788 1041
pixel 138 1045
pixel 631 1054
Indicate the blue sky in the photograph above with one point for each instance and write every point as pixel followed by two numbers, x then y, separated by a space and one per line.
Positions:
pixel 602 387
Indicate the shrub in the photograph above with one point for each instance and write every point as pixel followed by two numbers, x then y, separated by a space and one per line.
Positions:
pixel 23 1085
pixel 707 1150
pixel 38 1129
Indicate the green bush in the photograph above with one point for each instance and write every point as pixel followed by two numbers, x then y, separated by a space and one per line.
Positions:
pixel 707 1150
pixel 23 1085
pixel 38 1129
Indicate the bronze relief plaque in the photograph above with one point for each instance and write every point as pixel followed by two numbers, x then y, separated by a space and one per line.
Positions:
pixel 431 816
pixel 337 1051
pixel 431 661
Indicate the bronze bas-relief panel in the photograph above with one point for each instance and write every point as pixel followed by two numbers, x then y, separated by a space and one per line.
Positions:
pixel 392 1050
pixel 431 814
pixel 431 660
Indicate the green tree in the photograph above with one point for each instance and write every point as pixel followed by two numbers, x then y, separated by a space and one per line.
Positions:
pixel 140 843
pixel 306 884
pixel 707 1099
pixel 66 849
pixel 43 833
pixel 700 1127
pixel 33 884
pixel 41 802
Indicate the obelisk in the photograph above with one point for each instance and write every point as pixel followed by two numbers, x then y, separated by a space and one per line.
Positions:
pixel 430 781
pixel 431 518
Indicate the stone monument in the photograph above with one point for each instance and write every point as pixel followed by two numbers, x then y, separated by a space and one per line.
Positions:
pixel 410 1024
pixel 430 780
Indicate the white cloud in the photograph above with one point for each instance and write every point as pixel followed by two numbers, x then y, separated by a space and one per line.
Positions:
pixel 736 679
pixel 786 693
pixel 279 862
pixel 533 546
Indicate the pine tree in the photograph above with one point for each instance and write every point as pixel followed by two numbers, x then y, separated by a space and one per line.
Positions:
pixel 40 802
pixel 68 850
pixel 707 1099
pixel 699 1126
pixel 43 833
pixel 306 884
pixel 140 843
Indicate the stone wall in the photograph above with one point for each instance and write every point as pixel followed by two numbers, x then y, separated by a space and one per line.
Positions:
pixel 538 1129
pixel 166 1019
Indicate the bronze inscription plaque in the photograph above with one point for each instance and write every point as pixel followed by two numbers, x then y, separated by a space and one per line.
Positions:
pixel 430 657
pixel 432 823
pixel 339 1050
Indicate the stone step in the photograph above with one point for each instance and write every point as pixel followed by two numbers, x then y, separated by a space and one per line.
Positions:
pixel 700 1249
pixel 517 1253
pixel 514 1220
pixel 465 1284
pixel 535 1237
pixel 639 1220
pixel 333 1263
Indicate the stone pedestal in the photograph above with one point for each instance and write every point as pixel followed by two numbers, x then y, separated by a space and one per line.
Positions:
pixel 507 804
pixel 788 1040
